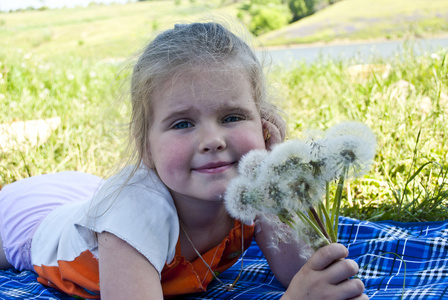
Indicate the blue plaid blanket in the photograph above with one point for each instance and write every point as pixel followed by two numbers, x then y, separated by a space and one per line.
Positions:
pixel 397 261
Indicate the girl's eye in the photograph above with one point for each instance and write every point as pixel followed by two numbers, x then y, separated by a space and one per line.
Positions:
pixel 182 125
pixel 230 119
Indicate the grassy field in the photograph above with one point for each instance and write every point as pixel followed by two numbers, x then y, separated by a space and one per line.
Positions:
pixel 104 31
pixel 69 63
pixel 98 31
pixel 405 102
pixel 350 20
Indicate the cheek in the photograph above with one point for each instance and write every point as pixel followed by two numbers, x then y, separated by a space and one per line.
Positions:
pixel 170 156
pixel 170 166
pixel 246 142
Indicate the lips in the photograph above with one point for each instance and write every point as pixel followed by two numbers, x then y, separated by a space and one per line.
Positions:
pixel 216 167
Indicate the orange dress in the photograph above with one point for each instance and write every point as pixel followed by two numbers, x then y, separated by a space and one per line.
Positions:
pixel 81 276
pixel 182 277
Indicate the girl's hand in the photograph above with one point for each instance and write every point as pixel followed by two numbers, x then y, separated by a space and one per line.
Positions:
pixel 325 276
pixel 273 134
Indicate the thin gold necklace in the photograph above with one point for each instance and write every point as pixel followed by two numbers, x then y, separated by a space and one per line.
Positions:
pixel 228 287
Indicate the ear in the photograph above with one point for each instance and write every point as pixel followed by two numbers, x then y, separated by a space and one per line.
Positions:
pixel 272 134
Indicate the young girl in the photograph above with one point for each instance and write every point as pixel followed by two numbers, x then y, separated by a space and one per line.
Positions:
pixel 160 228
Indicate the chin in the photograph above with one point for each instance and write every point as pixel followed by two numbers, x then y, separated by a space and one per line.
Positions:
pixel 218 190
pixel 218 196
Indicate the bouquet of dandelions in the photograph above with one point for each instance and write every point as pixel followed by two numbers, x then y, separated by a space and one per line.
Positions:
pixel 293 181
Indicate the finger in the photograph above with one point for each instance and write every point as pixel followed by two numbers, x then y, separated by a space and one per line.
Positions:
pixel 351 289
pixel 325 256
pixel 360 297
pixel 342 269
pixel 272 134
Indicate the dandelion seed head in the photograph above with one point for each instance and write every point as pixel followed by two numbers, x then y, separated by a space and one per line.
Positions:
pixel 292 148
pixel 241 200
pixel 353 128
pixel 306 189
pixel 288 177
pixel 275 193
pixel 348 156
pixel 350 153
pixel 287 166
pixel 286 158
pixel 317 166
pixel 276 197
pixel 296 190
pixel 249 164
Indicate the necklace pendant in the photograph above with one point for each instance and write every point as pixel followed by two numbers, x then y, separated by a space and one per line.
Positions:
pixel 228 287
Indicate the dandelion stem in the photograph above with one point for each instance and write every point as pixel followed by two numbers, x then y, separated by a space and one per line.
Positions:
pixel 327 195
pixel 319 223
pixel 349 195
pixel 286 220
pixel 320 210
pixel 329 224
pixel 306 220
pixel 337 200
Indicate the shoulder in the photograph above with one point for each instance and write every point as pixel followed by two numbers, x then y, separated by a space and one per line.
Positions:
pixel 137 189
pixel 131 178
pixel 137 209
pixel 128 195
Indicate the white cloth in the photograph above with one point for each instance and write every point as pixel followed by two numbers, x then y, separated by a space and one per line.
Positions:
pixel 139 210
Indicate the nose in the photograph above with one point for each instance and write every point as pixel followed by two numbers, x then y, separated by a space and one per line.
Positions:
pixel 212 140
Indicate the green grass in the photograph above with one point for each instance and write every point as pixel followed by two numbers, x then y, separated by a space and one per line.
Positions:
pixel 97 31
pixel 70 66
pixel 81 94
pixel 102 31
pixel 410 122
pixel 364 20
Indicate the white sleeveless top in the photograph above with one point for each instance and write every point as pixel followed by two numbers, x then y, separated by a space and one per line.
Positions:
pixel 139 211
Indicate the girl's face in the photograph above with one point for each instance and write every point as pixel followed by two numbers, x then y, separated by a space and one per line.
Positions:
pixel 203 122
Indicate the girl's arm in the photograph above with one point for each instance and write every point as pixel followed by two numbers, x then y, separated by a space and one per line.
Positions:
pixel 124 272
pixel 286 257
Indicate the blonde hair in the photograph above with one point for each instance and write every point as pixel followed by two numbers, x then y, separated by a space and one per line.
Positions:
pixel 179 49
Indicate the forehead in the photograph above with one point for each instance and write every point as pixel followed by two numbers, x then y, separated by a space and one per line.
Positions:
pixel 205 86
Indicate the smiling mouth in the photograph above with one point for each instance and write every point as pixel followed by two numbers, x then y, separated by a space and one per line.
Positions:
pixel 213 168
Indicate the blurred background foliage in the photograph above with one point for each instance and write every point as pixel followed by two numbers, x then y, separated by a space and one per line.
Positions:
pixel 73 64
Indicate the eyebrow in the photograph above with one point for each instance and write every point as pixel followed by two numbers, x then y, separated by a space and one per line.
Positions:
pixel 224 108
pixel 180 112
pixel 242 110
